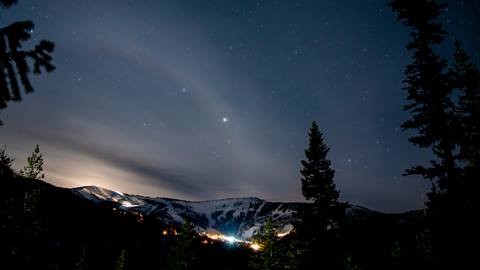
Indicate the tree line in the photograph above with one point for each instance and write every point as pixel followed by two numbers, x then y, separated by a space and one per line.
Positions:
pixel 33 169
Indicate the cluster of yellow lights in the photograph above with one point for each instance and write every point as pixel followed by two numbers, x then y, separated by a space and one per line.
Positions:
pixel 221 237
pixel 254 246
pixel 230 239
pixel 170 231
pixel 224 238
pixel 282 234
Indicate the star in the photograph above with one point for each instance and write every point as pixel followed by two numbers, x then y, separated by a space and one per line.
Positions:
pixel 224 119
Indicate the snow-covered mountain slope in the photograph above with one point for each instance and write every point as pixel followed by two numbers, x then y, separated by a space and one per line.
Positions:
pixel 241 218
pixel 238 217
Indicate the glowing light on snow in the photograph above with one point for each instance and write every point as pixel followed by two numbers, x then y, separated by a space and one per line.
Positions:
pixel 255 246
pixel 282 234
pixel 128 204
pixel 230 239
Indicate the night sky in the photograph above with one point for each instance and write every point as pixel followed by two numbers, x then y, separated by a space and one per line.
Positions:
pixel 212 99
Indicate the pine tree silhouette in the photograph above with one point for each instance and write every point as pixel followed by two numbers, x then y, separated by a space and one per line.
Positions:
pixel 466 78
pixel 270 256
pixel 319 223
pixel 5 165
pixel 447 127
pixel 317 181
pixel 181 255
pixel 34 167
pixel 7 3
pixel 121 261
pixel 13 59
pixel 427 85
pixel 463 200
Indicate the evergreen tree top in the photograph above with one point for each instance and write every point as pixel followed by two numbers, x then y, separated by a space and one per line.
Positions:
pixel 426 82
pixel 16 64
pixel 34 167
pixel 317 174
pixel 420 16
pixel 7 3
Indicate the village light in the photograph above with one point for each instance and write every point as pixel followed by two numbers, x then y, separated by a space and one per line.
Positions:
pixel 127 204
pixel 255 246
pixel 282 234
pixel 230 239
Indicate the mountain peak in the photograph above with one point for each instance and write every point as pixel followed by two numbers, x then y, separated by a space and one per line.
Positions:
pixel 237 217
pixel 240 217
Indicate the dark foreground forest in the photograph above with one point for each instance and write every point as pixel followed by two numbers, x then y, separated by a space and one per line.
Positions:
pixel 46 227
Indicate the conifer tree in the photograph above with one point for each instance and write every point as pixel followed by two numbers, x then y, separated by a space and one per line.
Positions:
pixel 274 253
pixel 466 78
pixel 181 254
pixel 81 264
pixel 295 253
pixel 121 261
pixel 317 182
pixel 7 3
pixel 456 218
pixel 14 66
pixel 34 167
pixel 5 164
pixel 269 255
pixel 319 223
pixel 443 126
pixel 427 85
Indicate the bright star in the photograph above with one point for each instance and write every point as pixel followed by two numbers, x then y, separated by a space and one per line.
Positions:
pixel 224 119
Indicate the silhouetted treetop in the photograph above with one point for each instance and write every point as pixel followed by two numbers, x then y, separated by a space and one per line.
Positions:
pixel 7 3
pixel 419 15
pixel 317 180
pixel 15 62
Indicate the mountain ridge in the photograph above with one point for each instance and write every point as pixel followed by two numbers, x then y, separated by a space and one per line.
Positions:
pixel 241 217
